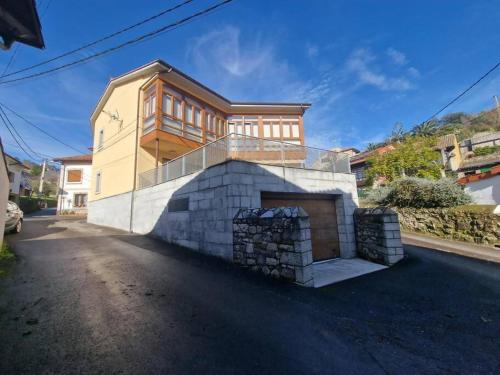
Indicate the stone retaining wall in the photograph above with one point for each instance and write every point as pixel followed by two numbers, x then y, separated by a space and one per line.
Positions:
pixel 481 227
pixel 274 241
pixel 378 235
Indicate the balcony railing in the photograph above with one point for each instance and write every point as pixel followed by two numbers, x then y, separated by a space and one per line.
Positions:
pixel 247 148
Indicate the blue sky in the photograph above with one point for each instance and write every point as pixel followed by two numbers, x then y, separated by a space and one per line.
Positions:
pixel 364 65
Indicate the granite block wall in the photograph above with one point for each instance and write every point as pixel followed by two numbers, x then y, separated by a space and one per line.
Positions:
pixel 274 241
pixel 378 235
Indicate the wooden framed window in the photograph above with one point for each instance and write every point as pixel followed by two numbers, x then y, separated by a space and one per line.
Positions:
pixel 188 113
pixel 74 176
pixel 177 109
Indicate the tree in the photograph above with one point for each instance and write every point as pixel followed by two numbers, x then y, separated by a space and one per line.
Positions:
pixel 397 134
pixel 415 157
pixel 425 129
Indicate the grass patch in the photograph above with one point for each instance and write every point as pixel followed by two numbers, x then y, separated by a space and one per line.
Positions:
pixel 6 259
pixel 6 253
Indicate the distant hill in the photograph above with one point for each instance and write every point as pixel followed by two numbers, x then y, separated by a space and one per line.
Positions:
pixel 465 125
pixel 51 177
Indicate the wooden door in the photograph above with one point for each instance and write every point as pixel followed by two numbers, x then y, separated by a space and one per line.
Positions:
pixel 322 216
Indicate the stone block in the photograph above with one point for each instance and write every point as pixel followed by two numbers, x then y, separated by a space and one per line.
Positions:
pixel 303 274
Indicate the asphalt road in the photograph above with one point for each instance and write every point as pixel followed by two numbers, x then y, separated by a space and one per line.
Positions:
pixel 84 299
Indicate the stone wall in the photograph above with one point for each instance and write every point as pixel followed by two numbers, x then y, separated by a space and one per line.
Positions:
pixel 479 226
pixel 378 235
pixel 216 194
pixel 274 241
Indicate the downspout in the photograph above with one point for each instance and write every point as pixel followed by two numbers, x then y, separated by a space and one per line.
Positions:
pixel 137 148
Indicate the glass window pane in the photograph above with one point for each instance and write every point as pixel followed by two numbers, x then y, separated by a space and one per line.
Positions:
pixel 295 131
pixel 177 109
pixel 189 113
pixel 286 131
pixel 197 117
pixel 231 128
pixel 255 130
pixel 167 104
pixel 276 131
pixel 267 131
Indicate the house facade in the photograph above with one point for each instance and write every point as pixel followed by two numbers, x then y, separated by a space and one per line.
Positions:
pixel 359 163
pixel 156 113
pixel 18 185
pixel 74 184
pixel 176 160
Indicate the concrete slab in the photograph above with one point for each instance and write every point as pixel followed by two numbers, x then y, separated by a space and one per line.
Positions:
pixel 335 270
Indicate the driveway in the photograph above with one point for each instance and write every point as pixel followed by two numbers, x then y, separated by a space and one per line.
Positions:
pixel 86 299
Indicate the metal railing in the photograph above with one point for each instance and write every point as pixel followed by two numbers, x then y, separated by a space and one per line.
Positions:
pixel 247 148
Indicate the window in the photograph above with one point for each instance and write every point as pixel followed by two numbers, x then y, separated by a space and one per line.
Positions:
pixel 188 113
pixel 197 117
pixel 167 104
pixel 101 139
pixel 360 173
pixel 267 131
pixel 80 200
pixel 74 176
pixel 98 182
pixel 177 109
pixel 276 130
pixel 286 131
pixel 295 131
pixel 149 105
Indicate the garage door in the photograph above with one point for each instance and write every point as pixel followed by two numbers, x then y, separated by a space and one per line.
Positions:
pixel 322 216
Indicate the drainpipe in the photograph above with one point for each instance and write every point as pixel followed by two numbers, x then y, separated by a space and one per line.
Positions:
pixel 137 145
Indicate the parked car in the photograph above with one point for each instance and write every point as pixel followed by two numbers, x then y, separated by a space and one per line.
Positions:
pixel 14 218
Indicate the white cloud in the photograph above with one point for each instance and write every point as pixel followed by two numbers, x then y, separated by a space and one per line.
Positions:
pixel 361 62
pixel 396 56
pixel 413 72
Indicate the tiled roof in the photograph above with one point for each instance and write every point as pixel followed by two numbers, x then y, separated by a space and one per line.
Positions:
pixel 480 176
pixel 361 157
pixel 87 157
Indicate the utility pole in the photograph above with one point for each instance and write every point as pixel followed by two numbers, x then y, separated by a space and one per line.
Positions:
pixel 42 176
pixel 496 102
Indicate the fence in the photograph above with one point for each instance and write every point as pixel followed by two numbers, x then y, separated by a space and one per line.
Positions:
pixel 247 148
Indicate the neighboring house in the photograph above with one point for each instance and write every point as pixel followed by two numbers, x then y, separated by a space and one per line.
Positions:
pixel 351 151
pixel 74 183
pixel 4 190
pixel 478 164
pixel 451 156
pixel 359 163
pixel 484 187
pixel 18 183
pixel 478 140
pixel 174 159
pixel 19 22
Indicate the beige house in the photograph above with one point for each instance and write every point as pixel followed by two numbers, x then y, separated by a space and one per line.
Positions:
pixel 156 113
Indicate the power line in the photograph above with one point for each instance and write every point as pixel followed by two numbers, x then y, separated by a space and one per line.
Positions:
pixel 15 139
pixel 40 129
pixel 141 38
pixel 19 135
pixel 464 92
pixel 112 35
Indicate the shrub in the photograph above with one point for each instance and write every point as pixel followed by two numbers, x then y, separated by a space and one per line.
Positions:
pixel 422 193
pixel 378 195
pixel 486 150
pixel 28 204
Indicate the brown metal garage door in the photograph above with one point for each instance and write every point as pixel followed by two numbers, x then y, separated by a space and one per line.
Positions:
pixel 322 216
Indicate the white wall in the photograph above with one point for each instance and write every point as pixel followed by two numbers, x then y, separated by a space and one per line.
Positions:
pixel 215 196
pixel 67 190
pixel 485 191
pixel 111 212
pixel 15 185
